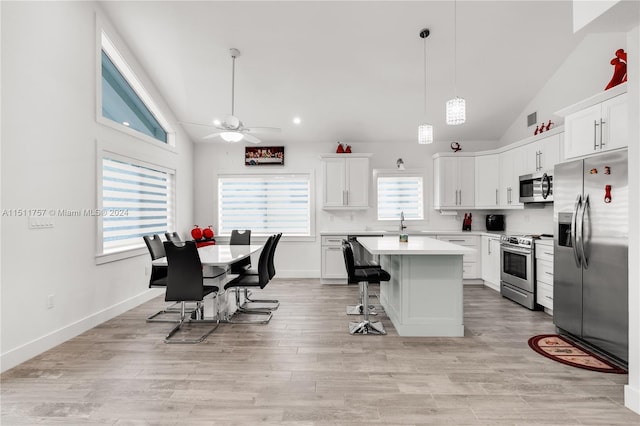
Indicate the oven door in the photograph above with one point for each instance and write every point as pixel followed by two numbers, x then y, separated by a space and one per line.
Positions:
pixel 516 267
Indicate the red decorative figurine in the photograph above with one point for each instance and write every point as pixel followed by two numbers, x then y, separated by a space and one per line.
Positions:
pixel 196 233
pixel 208 232
pixel 340 149
pixel 348 149
pixel 619 69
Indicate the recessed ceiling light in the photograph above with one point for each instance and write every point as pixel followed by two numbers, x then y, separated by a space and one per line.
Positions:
pixel 296 120
pixel 126 123
pixel 217 122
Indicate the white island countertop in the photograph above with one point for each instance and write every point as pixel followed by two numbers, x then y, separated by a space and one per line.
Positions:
pixel 415 245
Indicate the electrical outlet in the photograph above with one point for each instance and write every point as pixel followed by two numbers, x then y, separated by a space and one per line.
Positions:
pixel 50 301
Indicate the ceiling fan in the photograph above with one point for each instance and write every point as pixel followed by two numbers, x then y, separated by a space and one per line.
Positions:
pixel 231 129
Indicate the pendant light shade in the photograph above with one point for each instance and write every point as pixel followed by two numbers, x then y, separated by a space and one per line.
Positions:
pixel 456 111
pixel 425 131
pixel 231 136
pixel 456 107
pixel 425 134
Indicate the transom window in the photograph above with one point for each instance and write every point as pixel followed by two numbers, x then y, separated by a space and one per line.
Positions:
pixel 124 100
pixel 398 194
pixel 265 204
pixel 137 200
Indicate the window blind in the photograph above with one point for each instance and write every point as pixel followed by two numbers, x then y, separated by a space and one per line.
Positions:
pixel 265 204
pixel 400 194
pixel 136 201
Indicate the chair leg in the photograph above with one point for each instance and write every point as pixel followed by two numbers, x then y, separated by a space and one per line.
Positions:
pixel 184 320
pixel 359 308
pixel 365 326
pixel 241 310
pixel 170 310
pixel 248 300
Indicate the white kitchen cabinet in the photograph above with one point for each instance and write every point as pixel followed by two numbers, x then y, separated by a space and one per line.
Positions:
pixel 511 162
pixel 541 155
pixel 490 261
pixel 333 270
pixel 470 262
pixel 487 185
pixel 597 128
pixel 544 274
pixel 345 181
pixel 454 186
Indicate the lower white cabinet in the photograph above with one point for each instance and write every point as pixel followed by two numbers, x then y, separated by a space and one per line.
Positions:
pixel 544 274
pixel 332 267
pixel 490 261
pixel 470 262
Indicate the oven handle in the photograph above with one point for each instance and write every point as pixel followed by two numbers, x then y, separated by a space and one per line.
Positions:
pixel 574 238
pixel 511 249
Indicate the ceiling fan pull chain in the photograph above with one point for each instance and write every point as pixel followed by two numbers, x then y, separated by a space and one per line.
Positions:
pixel 233 80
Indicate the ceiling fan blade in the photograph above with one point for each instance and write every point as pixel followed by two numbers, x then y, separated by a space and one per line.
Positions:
pixel 263 130
pixel 212 135
pixel 251 139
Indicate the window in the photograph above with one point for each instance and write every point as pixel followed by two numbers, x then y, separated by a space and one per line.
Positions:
pixel 124 100
pixel 265 204
pixel 400 194
pixel 137 200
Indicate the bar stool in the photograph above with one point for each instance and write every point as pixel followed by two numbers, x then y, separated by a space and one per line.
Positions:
pixel 363 277
pixel 361 264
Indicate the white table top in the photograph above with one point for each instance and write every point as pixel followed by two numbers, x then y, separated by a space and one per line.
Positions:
pixel 415 245
pixel 219 255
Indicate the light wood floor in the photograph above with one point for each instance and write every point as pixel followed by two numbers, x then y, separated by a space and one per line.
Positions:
pixel 304 368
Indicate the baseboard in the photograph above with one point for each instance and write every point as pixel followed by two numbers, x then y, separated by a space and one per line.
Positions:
pixel 632 398
pixel 27 351
pixel 297 273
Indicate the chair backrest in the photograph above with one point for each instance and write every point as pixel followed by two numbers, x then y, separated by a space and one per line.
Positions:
pixel 349 261
pixel 272 268
pixel 240 237
pixel 154 244
pixel 174 237
pixel 184 280
pixel 263 262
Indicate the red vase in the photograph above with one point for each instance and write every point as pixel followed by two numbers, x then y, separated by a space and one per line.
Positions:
pixel 348 150
pixel 340 149
pixel 196 233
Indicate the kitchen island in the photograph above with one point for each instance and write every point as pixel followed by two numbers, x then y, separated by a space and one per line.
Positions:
pixel 424 295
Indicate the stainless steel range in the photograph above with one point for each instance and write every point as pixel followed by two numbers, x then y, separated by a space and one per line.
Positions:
pixel 517 269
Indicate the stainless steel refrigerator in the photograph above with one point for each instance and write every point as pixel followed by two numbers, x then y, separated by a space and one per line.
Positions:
pixel 590 285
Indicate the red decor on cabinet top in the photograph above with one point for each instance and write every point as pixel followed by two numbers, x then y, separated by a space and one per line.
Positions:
pixel 619 69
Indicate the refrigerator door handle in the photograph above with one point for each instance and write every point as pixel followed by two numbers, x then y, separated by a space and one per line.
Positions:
pixel 574 244
pixel 585 206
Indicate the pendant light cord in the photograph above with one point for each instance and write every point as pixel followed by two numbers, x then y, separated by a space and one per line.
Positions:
pixel 425 77
pixel 233 83
pixel 455 48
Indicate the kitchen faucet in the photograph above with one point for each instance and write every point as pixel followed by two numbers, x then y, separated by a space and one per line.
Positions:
pixel 402 225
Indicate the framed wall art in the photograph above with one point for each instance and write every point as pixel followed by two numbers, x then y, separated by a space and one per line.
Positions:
pixel 264 156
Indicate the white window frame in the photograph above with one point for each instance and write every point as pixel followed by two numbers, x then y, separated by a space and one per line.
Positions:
pixel 108 39
pixel 138 249
pixel 312 202
pixel 386 173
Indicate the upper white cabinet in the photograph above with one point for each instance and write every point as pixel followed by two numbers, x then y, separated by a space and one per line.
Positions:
pixel 487 185
pixel 598 124
pixel 454 186
pixel 542 155
pixel 510 169
pixel 345 181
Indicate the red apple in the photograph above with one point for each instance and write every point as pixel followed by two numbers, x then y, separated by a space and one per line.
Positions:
pixel 208 232
pixel 196 233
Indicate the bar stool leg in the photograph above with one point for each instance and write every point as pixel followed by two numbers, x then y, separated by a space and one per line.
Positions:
pixel 365 326
pixel 359 308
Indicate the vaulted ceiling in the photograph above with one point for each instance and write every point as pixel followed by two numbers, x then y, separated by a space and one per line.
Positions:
pixel 353 71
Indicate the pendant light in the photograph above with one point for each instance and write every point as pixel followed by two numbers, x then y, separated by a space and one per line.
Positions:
pixel 456 107
pixel 425 131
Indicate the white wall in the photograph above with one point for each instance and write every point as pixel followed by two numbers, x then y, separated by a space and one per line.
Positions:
pixel 585 11
pixel 585 72
pixel 49 161
pixel 302 259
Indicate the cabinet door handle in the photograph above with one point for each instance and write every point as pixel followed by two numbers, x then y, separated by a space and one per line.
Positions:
pixel 344 197
pixel 496 197
pixel 546 252
pixel 548 273
pixel 602 122
pixel 334 248
pixel 337 240
pixel 595 134
pixel 550 298
pixel 460 192
pixel 489 246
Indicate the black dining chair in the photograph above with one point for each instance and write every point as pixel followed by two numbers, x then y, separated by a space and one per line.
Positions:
pixel 158 277
pixel 240 237
pixel 174 237
pixel 272 272
pixel 363 277
pixel 185 283
pixel 252 281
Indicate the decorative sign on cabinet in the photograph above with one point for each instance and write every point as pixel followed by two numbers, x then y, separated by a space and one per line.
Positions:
pixel 454 186
pixel 597 124
pixel 345 181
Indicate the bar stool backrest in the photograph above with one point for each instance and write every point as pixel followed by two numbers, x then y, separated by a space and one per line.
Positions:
pixel 349 261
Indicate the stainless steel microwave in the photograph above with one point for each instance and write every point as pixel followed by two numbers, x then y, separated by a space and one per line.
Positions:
pixel 536 188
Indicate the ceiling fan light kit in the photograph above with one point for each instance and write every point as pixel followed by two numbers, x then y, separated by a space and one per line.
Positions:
pixel 425 130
